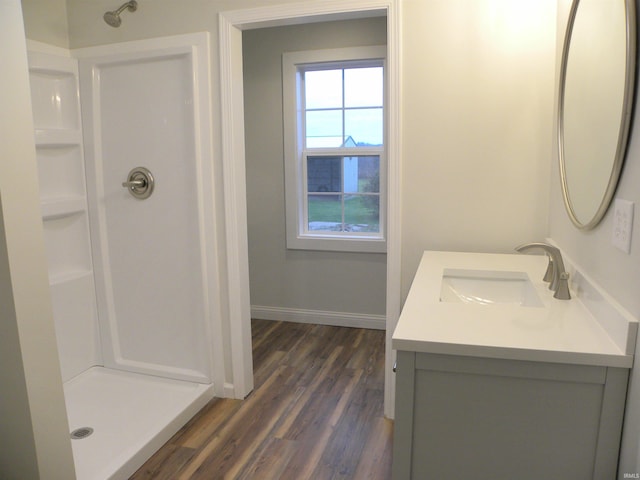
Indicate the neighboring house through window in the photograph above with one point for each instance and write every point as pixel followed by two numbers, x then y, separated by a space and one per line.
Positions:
pixel 335 166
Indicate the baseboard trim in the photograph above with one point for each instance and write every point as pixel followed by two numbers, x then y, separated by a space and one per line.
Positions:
pixel 229 391
pixel 320 317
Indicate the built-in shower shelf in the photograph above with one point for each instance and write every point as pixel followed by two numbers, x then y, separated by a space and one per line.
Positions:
pixel 70 276
pixel 56 63
pixel 62 207
pixel 58 137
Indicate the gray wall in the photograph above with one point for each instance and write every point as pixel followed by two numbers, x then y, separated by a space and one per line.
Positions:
pixel 615 271
pixel 299 279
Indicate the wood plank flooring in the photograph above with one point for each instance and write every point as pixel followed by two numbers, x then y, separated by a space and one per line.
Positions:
pixel 316 413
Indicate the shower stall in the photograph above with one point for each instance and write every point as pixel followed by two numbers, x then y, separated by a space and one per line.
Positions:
pixel 123 141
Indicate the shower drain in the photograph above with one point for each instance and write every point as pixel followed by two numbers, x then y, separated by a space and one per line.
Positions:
pixel 82 432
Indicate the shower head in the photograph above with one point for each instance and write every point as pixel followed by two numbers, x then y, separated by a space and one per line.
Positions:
pixel 113 18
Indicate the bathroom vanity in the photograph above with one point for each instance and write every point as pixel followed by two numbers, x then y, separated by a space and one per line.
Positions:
pixel 496 379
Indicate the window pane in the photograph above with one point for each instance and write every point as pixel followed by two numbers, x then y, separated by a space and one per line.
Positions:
pixel 362 213
pixel 324 128
pixel 323 89
pixel 361 174
pixel 325 213
pixel 364 126
pixel 363 87
pixel 323 174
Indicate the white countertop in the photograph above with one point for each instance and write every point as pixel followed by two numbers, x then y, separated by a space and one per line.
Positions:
pixel 561 331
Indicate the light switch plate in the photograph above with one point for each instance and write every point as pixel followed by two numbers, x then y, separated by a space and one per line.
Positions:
pixel 622 224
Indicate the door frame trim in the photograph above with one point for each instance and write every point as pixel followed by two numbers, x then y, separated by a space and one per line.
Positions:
pixel 230 26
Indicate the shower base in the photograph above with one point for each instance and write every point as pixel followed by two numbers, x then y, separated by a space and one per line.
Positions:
pixel 132 416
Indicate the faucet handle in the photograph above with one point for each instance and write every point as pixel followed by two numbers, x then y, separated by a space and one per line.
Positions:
pixel 548 275
pixel 562 290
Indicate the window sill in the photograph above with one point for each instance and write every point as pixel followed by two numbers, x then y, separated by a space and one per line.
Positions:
pixel 334 243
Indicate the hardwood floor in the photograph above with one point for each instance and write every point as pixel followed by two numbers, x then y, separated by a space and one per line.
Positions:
pixel 316 413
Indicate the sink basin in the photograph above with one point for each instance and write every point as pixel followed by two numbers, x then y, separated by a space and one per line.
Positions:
pixel 488 287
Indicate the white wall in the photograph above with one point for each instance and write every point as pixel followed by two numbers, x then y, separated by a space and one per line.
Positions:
pixel 616 272
pixel 477 120
pixel 299 279
pixel 46 21
pixel 154 18
pixel 35 438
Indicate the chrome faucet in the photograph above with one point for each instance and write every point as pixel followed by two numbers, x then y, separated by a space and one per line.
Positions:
pixel 555 273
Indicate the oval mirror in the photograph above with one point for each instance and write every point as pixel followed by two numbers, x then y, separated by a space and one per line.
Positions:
pixel 594 104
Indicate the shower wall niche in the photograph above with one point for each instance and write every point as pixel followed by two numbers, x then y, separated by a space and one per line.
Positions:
pixel 59 152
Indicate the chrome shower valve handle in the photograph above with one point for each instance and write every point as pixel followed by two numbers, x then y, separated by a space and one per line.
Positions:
pixel 140 183
pixel 135 183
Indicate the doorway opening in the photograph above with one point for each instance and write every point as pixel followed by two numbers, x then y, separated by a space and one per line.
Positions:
pixel 231 25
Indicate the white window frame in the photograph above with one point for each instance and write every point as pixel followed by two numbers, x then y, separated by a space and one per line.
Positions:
pixel 298 236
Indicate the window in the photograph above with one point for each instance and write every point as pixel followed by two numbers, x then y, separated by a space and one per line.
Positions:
pixel 334 149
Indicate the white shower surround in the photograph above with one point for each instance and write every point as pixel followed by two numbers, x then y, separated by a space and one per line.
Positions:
pixel 145 104
pixel 132 414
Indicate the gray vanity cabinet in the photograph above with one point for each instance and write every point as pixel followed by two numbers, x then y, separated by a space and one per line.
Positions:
pixel 492 419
